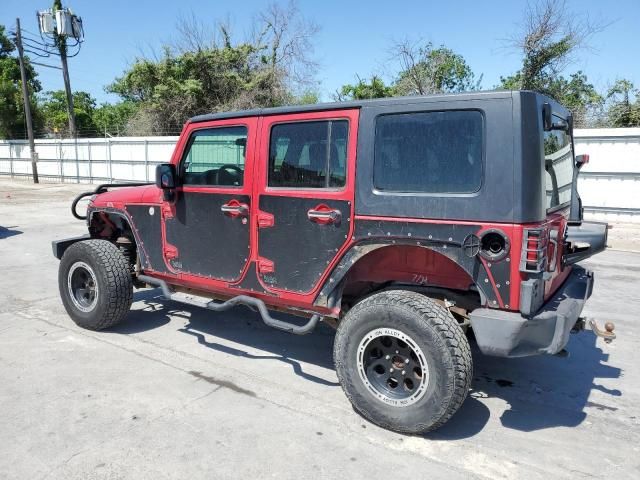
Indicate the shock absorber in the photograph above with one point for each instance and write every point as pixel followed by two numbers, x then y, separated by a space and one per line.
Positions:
pixel 127 247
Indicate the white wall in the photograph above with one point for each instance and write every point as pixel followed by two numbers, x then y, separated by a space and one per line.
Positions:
pixel 609 184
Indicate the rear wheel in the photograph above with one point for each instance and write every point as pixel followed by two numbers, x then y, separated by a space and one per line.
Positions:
pixel 95 284
pixel 403 361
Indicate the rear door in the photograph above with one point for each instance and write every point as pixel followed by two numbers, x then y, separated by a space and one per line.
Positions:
pixel 207 228
pixel 304 193
pixel 559 164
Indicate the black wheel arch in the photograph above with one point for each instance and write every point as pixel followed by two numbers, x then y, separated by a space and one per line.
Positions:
pixel 331 293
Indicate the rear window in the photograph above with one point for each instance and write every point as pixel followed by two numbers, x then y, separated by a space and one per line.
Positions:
pixel 429 152
pixel 558 161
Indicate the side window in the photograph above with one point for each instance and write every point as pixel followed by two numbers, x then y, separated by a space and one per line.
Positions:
pixel 558 164
pixel 308 154
pixel 429 152
pixel 215 156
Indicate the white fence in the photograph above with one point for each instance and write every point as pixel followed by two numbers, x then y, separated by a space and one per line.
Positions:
pixel 609 184
pixel 88 160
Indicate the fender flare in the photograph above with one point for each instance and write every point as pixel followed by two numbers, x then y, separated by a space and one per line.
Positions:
pixel 475 267
pixel 125 217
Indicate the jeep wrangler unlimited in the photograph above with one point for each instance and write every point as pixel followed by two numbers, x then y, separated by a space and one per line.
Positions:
pixel 402 222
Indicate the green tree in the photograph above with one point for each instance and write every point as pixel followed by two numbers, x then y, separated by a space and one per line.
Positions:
pixel 204 73
pixel 622 110
pixel 178 86
pixel 113 119
pixel 574 92
pixel 12 117
pixel 53 105
pixel 426 70
pixel 548 41
pixel 373 88
pixel 308 97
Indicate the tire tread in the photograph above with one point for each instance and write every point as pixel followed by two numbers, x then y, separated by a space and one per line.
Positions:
pixel 119 284
pixel 449 332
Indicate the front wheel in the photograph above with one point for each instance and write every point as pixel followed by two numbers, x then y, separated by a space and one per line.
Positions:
pixel 403 361
pixel 95 284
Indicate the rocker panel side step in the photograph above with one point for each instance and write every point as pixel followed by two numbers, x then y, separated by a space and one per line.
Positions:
pixel 232 302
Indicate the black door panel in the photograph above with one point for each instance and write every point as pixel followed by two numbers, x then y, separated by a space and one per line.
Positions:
pixel 210 243
pixel 300 248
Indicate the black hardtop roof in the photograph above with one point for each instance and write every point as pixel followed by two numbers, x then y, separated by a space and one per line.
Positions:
pixel 318 107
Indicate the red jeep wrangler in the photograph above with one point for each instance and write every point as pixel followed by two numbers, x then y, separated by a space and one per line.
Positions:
pixel 402 222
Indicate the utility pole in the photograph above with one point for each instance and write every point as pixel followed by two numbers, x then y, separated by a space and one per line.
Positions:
pixel 27 104
pixel 61 43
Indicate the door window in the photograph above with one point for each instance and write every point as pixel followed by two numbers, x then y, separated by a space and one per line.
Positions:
pixel 308 154
pixel 558 163
pixel 215 157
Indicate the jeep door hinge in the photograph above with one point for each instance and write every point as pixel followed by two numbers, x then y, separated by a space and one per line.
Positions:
pixel 265 220
pixel 170 252
pixel 265 265
pixel 168 211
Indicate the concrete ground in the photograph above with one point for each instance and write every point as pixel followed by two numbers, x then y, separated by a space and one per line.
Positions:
pixel 175 393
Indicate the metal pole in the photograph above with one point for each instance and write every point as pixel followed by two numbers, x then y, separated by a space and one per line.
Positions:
pixel 90 166
pixel 61 43
pixel 146 160
pixel 109 166
pixel 11 158
pixel 67 87
pixel 61 160
pixel 75 146
pixel 27 104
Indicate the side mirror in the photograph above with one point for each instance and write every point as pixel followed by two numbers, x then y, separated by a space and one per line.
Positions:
pixel 166 179
pixel 166 176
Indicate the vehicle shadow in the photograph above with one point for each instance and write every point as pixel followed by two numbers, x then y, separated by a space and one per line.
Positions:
pixel 540 391
pixel 6 232
pixel 239 325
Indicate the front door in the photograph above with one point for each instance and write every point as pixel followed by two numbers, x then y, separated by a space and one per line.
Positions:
pixel 207 228
pixel 305 196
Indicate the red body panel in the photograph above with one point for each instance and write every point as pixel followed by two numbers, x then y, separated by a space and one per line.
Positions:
pixel 413 265
pixel 408 264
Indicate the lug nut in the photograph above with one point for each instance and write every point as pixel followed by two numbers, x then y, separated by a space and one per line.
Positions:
pixel 403 372
pixel 391 370
pixel 388 357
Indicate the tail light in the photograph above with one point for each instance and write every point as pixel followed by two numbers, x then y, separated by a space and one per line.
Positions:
pixel 534 250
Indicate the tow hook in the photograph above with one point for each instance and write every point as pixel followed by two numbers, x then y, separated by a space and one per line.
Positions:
pixel 607 334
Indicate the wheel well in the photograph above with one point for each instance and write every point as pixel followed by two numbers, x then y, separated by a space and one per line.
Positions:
pixel 413 268
pixel 117 229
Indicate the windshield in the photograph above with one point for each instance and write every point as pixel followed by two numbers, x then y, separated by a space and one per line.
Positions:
pixel 558 159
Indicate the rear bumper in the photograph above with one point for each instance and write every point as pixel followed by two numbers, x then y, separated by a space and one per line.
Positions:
pixel 509 334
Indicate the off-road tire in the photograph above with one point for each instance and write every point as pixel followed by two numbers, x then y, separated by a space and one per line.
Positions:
pixel 443 343
pixel 113 279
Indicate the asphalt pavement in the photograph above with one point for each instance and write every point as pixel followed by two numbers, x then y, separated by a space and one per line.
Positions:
pixel 175 392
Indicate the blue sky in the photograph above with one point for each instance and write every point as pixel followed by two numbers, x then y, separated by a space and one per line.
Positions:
pixel 354 37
